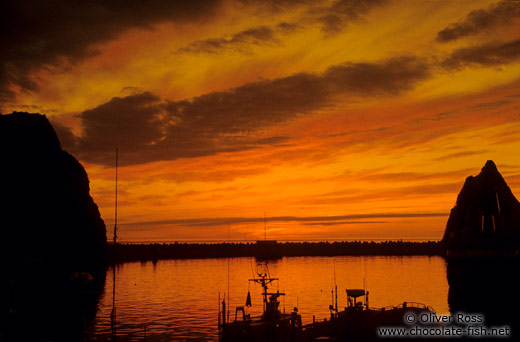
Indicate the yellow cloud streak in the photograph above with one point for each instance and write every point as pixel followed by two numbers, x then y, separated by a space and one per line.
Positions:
pixel 326 167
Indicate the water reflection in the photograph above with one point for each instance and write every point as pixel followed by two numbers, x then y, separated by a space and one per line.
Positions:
pixel 178 299
pixel 40 303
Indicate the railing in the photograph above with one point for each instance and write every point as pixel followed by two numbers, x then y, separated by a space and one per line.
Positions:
pixel 404 306
pixel 415 305
pixel 386 308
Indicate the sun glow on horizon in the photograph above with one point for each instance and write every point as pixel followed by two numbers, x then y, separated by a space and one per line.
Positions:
pixel 339 121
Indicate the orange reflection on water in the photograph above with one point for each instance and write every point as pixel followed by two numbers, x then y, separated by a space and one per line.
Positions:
pixel 178 299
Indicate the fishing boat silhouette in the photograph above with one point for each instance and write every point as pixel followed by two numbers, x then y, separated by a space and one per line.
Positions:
pixel 272 325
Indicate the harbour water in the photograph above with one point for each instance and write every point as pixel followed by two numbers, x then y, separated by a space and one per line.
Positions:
pixel 179 299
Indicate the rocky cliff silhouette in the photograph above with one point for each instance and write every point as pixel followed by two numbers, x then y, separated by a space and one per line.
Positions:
pixel 485 219
pixel 47 213
pixel 52 236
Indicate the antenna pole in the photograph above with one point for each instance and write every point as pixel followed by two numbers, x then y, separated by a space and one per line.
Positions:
pixel 265 227
pixel 115 207
pixel 113 317
pixel 335 286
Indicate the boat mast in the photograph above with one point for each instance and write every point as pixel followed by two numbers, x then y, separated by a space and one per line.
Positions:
pixel 264 280
pixel 335 300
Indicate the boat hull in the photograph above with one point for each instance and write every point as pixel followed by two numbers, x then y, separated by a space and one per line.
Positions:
pixel 286 328
pixel 354 324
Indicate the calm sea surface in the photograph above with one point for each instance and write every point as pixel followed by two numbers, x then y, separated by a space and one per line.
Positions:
pixel 178 299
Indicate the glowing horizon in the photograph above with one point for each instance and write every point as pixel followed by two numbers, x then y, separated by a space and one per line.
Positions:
pixel 339 120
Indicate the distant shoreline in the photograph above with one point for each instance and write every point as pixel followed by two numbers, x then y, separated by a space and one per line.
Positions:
pixel 127 252
pixel 197 241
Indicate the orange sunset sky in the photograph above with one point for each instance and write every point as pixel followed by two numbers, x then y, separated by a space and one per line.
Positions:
pixel 339 119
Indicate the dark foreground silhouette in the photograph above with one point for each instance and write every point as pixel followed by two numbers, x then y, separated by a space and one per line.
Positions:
pixel 486 286
pixel 52 238
pixel 40 303
pixel 53 249
pixel 355 322
pixel 47 213
pixel 486 219
pixel 482 244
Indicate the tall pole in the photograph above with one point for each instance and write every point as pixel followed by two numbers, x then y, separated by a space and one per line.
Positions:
pixel 265 227
pixel 113 317
pixel 115 207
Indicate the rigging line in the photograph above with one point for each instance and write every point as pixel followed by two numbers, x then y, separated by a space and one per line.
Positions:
pixel 334 268
pixel 252 270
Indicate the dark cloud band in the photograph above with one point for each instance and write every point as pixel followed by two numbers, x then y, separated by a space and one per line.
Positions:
pixel 499 14
pixel 148 129
pixel 486 55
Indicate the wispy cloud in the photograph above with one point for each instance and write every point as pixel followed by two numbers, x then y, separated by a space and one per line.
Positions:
pixel 460 155
pixel 241 41
pixel 499 14
pixel 339 223
pixel 336 17
pixel 323 220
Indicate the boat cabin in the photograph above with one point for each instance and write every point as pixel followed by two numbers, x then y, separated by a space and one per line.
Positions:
pixel 352 299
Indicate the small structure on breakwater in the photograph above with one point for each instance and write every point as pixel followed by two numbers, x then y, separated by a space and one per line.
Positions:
pixel 267 249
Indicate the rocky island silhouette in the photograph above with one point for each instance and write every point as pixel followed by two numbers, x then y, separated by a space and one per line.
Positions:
pixel 486 218
pixel 482 244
